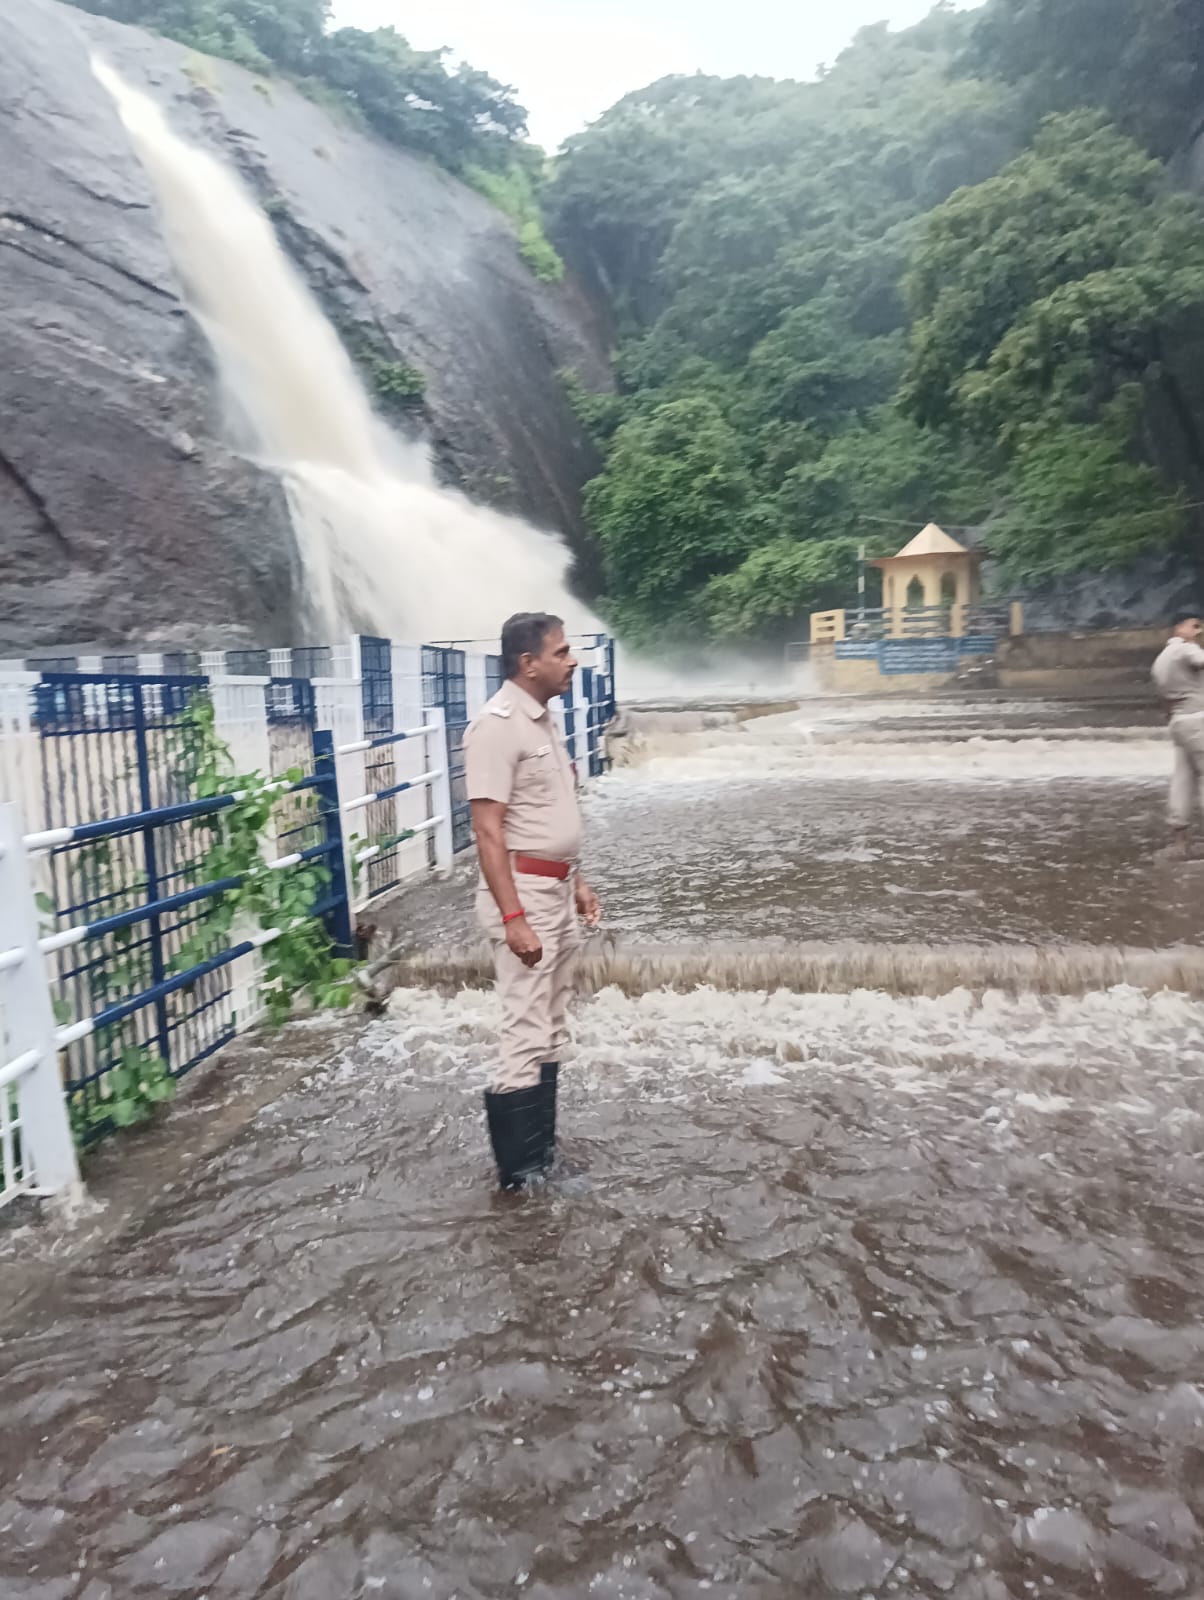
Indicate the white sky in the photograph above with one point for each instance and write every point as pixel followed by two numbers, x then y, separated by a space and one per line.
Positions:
pixel 571 59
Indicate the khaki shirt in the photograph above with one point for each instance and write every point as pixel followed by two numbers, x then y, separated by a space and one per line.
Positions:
pixel 1179 675
pixel 513 753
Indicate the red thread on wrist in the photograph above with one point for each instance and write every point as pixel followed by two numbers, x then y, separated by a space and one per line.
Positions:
pixel 513 917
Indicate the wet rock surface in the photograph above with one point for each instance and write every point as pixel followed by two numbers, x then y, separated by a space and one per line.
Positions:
pixel 108 529
pixel 111 529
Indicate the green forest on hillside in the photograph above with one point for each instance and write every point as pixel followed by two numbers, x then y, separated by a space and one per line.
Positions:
pixel 457 116
pixel 951 279
pixel 955 278
pixel 460 117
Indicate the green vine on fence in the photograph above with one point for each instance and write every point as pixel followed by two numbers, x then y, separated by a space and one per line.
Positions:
pixel 301 960
pixel 230 845
pixel 140 1079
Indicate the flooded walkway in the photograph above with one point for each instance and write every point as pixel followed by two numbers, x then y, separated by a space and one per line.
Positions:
pixel 841 1294
pixel 1012 824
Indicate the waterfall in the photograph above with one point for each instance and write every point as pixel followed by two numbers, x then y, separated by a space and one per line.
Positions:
pixel 384 547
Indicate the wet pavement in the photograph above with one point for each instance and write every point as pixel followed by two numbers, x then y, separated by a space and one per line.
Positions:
pixel 834 1295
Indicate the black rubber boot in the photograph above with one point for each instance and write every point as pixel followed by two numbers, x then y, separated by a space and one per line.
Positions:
pixel 548 1074
pixel 516 1130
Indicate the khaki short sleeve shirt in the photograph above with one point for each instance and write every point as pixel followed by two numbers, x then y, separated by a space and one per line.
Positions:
pixel 513 753
pixel 1179 675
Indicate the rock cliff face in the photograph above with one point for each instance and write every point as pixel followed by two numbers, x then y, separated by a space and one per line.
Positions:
pixel 125 512
pixel 1194 157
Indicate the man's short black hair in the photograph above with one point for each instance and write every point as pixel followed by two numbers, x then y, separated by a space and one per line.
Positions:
pixel 524 635
pixel 1187 614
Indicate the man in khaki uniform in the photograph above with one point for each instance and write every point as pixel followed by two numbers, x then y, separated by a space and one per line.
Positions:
pixel 1179 675
pixel 528 830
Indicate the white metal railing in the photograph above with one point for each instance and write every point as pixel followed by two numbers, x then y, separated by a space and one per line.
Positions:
pixel 433 783
pixel 410 804
pixel 37 1153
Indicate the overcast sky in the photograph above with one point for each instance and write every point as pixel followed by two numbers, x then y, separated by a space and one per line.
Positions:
pixel 570 59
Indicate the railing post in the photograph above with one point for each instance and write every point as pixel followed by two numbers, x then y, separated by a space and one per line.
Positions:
pixel 569 701
pixel 338 919
pixel 598 713
pixel 439 756
pixel 150 857
pixel 476 683
pixel 29 1018
pixel 586 732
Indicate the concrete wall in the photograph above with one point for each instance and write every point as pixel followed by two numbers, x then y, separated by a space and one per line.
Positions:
pixel 863 677
pixel 1041 663
pixel 1079 663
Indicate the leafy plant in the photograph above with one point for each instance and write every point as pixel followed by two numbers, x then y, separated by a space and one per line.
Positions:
pixel 300 960
pixel 513 192
pixel 130 1092
pixel 399 385
pixel 538 251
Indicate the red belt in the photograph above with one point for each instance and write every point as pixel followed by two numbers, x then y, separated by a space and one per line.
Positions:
pixel 533 867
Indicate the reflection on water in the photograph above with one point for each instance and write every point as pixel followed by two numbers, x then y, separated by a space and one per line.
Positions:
pixel 933 828
pixel 835 1294
pixel 838 858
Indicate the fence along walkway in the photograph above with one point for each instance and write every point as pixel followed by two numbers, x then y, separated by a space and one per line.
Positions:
pixel 103 867
pixel 36 1149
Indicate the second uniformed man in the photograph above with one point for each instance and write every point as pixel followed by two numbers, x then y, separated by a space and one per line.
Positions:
pixel 527 824
pixel 1179 676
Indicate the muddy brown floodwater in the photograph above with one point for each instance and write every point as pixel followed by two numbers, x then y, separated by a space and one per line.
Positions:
pixel 834 1295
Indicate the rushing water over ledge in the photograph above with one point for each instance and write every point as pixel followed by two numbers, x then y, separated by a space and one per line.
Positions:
pixel 384 546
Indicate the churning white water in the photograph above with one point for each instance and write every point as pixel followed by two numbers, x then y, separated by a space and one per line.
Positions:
pixel 796 746
pixel 385 547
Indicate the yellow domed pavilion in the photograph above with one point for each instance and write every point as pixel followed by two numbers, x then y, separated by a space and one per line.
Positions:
pixel 931 570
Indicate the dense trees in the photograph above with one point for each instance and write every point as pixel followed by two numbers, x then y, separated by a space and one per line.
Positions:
pixel 459 117
pixel 905 291
pixel 951 279
pixel 1058 311
pixel 256 33
pixel 1140 61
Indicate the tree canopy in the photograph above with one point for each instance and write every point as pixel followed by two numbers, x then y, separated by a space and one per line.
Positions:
pixel 949 280
pixel 952 279
pixel 1140 61
pixel 459 116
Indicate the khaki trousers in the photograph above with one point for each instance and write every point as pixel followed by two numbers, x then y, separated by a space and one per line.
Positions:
pixel 1187 782
pixel 534 999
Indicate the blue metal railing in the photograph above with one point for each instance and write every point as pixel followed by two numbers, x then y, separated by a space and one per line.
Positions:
pixel 380 771
pixel 445 684
pixel 125 897
pixel 124 842
pixel 86 1072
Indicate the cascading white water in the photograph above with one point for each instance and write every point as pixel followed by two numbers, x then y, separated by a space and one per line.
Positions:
pixel 385 548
